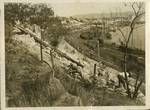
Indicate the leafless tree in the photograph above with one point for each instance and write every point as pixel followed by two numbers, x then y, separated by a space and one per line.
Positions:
pixel 138 12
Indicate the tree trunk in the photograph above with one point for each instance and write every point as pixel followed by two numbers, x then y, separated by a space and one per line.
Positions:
pixel 137 78
pixel 137 89
pixel 125 73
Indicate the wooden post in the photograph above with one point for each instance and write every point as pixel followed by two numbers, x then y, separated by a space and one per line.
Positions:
pixel 41 52
pixel 94 70
pixel 98 43
pixel 98 47
pixel 52 61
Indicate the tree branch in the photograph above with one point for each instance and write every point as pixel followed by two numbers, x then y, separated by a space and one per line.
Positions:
pixel 123 35
pixel 134 8
pixel 132 25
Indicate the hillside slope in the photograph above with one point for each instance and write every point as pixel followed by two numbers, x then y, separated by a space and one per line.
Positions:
pixel 28 81
pixel 27 78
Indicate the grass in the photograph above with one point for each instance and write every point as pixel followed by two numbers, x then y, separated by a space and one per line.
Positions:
pixel 28 83
pixel 92 96
pixel 108 52
pixel 27 79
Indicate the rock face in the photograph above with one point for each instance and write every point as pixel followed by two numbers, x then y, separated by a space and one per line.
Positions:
pixel 68 100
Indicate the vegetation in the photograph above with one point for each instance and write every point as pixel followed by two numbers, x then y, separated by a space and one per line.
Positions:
pixel 42 16
pixel 34 82
pixel 39 14
pixel 138 9
pixel 27 83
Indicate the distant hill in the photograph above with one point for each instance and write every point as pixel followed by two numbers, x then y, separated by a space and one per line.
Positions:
pixel 100 15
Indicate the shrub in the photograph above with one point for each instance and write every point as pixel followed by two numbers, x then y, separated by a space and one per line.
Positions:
pixel 108 35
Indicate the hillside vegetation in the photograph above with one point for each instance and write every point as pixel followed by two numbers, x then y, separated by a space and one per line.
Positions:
pixel 27 83
pixel 50 64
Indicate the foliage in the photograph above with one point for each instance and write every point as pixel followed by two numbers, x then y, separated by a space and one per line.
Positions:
pixel 55 31
pixel 90 95
pixel 27 79
pixel 28 83
pixel 26 12
pixel 16 11
pixel 86 36
pixel 108 35
pixel 41 15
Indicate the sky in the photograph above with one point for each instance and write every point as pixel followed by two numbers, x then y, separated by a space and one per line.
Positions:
pixel 69 9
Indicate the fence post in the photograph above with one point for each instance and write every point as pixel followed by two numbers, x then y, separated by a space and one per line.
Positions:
pixel 41 52
pixel 94 70
pixel 52 61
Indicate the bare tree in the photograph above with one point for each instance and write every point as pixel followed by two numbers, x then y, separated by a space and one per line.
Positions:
pixel 138 12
